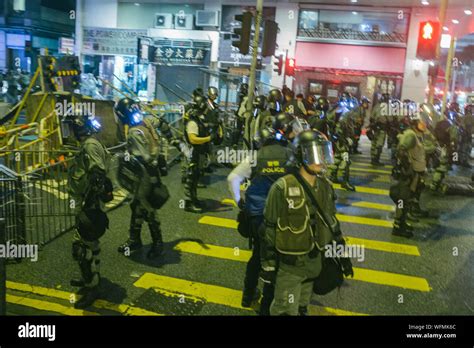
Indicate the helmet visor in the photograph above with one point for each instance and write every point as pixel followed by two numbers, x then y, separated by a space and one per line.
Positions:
pixel 318 153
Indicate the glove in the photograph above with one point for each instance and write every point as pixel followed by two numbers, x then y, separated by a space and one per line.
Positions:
pixel 213 137
pixel 176 143
pixel 347 266
pixel 268 276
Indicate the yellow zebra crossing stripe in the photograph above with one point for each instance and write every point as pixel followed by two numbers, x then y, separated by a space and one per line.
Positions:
pixel 361 274
pixel 376 206
pixel 230 223
pixel 64 295
pixel 363 164
pixel 368 243
pixel 391 279
pixel 208 292
pixel 364 189
pixel 364 221
pixel 361 204
pixel 46 306
pixel 367 170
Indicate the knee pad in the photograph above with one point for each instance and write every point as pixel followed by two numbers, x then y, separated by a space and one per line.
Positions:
pixel 78 250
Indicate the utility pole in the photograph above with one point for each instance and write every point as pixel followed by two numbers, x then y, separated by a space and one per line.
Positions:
pixel 253 66
pixel 449 67
pixel 432 79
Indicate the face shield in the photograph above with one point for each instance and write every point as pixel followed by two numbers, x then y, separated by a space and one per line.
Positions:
pixel 136 115
pixel 319 153
pixel 299 125
pixel 95 124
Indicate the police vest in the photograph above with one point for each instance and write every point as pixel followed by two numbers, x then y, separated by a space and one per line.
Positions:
pixel 273 162
pixel 203 131
pixel 417 154
pixel 152 138
pixel 299 228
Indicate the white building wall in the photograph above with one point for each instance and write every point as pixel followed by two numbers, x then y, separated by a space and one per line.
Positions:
pixel 287 19
pixel 415 78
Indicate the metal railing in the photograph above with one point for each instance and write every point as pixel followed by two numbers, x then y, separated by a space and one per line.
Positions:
pixel 35 205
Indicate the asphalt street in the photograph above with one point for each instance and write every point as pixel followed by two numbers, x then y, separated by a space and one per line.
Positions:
pixel 202 269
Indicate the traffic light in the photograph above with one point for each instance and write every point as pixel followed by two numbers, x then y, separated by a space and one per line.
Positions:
pixel 428 40
pixel 278 64
pixel 270 32
pixel 290 67
pixel 243 32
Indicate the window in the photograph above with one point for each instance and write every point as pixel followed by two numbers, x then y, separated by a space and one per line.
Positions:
pixel 381 27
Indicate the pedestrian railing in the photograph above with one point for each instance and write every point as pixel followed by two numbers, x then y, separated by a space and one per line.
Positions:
pixel 35 205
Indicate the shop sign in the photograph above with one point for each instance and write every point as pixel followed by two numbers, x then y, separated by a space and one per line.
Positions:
pixel 180 55
pixel 105 41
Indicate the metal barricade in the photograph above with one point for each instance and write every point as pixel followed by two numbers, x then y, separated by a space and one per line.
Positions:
pixel 35 205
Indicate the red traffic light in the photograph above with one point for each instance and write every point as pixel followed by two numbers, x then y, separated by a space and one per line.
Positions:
pixel 290 67
pixel 428 40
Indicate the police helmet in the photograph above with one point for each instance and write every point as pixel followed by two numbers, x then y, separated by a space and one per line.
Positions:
pixel 281 122
pixel 244 89
pixel 274 95
pixel 212 93
pixel 312 147
pixel 128 111
pixel 200 102
pixel 84 124
pixel 260 102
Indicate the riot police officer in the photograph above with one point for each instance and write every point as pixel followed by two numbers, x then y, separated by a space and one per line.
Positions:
pixel 273 160
pixel 409 171
pixel 342 140
pixel 144 146
pixel 199 135
pixel 213 122
pixel 274 100
pixel 89 188
pixel 357 115
pixel 378 127
pixel 296 230
pixel 241 113
pixel 319 121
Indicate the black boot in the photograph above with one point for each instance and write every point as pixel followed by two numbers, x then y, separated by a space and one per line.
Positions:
pixel 130 245
pixel 88 298
pixel 347 185
pixel 78 283
pixel 416 210
pixel 157 241
pixel 193 205
pixel 250 297
pixel 402 229
pixel 303 311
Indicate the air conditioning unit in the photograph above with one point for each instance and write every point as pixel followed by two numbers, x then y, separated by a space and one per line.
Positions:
pixel 207 18
pixel 182 21
pixel 164 20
